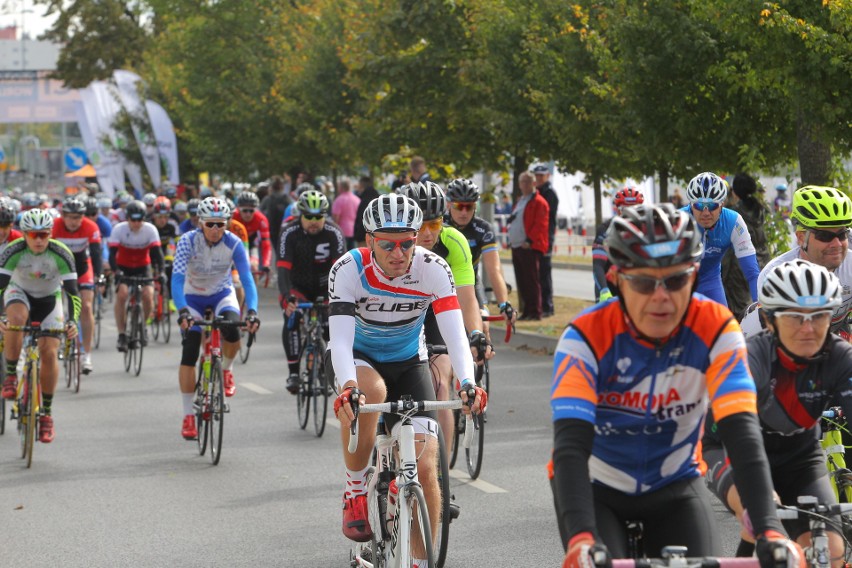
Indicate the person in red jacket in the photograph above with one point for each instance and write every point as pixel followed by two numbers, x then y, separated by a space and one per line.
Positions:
pixel 528 237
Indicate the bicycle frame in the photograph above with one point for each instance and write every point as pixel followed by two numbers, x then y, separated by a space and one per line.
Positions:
pixel 818 553
pixel 835 452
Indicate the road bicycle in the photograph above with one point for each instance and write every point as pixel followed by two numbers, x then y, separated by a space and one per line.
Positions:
pixel 396 506
pixel 26 407
pixel 209 403
pixel 2 400
pixel 833 424
pixel 161 318
pixel 98 307
pixel 134 323
pixel 313 386
pixel 818 515
pixel 72 360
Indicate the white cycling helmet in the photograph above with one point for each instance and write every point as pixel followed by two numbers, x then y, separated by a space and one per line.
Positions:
pixel 707 186
pixel 36 220
pixel 214 208
pixel 800 284
pixel 392 213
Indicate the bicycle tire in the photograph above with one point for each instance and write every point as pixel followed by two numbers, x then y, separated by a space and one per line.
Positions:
pixel 155 318
pixel 99 304
pixel 140 334
pixel 23 413
pixel 166 322
pixel 128 324
pixel 320 392
pixel 74 365
pixel 65 363
pixel 458 423
pixel 201 409
pixel 303 403
pixel 2 416
pixel 443 534
pixel 217 411
pixel 245 350
pixel 477 444
pixel 415 497
pixel 32 411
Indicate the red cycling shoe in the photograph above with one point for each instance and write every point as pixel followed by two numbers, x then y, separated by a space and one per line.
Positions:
pixel 355 524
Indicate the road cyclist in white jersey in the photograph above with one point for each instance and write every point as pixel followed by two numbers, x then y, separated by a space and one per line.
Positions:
pixel 201 279
pixel 823 217
pixel 378 301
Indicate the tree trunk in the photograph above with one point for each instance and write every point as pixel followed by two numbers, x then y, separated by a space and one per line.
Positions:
pixel 596 183
pixel 519 166
pixel 814 151
pixel 664 184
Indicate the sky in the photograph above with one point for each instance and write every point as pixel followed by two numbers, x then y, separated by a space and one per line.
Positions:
pixel 25 14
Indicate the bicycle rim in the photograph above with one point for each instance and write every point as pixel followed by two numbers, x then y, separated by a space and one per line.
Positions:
pixel 474 452
pixel 320 397
pixel 200 409
pixel 217 414
pixel 458 422
pixel 167 321
pixel 303 400
pixel 128 325
pixel 75 364
pixel 32 411
pixel 139 332
pixel 442 536
pixel 416 503
pixel 2 416
pixel 66 364
pixel 23 415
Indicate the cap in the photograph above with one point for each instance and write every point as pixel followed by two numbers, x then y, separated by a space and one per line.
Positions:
pixel 541 169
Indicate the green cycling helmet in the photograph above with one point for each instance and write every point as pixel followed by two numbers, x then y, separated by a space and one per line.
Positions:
pixel 312 202
pixel 815 206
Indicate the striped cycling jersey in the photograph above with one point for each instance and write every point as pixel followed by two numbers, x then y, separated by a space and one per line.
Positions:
pixel 648 403
pixel 39 275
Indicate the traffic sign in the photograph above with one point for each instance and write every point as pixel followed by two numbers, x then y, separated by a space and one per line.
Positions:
pixel 75 158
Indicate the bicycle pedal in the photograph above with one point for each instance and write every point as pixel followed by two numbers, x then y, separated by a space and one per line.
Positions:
pixel 455 509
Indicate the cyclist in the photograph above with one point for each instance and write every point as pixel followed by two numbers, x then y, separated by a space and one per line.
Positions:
pixel 134 247
pixel 258 230
pixel 310 245
pixel 379 295
pixel 34 271
pixel 823 216
pixel 632 378
pixel 83 238
pixel 462 195
pixel 167 228
pixel 722 229
pixel 800 369
pixel 600 261
pixel 148 199
pixel 8 234
pixel 190 222
pixel 119 215
pixel 241 233
pixel 201 279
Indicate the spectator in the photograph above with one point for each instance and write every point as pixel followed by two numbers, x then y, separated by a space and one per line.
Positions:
pixel 344 210
pixel 367 193
pixel 529 241
pixel 504 206
pixel 677 198
pixel 782 203
pixel 418 170
pixel 545 189
pixel 273 206
pixel 401 180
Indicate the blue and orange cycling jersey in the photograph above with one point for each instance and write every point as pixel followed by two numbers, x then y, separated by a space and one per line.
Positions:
pixel 648 402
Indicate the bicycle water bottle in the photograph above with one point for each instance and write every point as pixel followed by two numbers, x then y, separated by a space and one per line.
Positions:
pixel 205 366
pixel 393 495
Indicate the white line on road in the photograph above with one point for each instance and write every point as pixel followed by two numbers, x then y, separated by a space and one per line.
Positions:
pixel 255 388
pixel 483 486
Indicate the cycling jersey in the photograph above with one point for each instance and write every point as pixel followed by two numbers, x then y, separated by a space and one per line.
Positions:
pixel 480 238
pixel 204 270
pixel 730 231
pixel 168 235
pixel 186 226
pixel 388 313
pixel 240 232
pixel 85 244
pixel 452 246
pixel 258 229
pixel 132 248
pixel 305 259
pixel 751 322
pixel 14 235
pixel 117 216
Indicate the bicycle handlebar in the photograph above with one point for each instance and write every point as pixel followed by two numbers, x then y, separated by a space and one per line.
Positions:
pixel 510 327
pixel 221 323
pixel 706 562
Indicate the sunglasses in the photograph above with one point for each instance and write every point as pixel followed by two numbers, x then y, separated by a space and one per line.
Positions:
pixel 647 285
pixel 139 220
pixel 313 217
pixel 434 224
pixel 463 206
pixel 828 236
pixel 705 205
pixel 247 211
pixel 388 245
pixel 74 217
pixel 38 235
pixel 798 319
pixel 214 224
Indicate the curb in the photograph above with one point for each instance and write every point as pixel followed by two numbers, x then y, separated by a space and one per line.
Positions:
pixel 525 340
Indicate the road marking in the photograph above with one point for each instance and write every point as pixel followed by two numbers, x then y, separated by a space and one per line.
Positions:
pixel 255 388
pixel 483 486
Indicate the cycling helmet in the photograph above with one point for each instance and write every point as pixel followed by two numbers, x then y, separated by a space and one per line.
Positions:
pixel 148 199
pixel 781 187
pixel 180 207
pixel 815 206
pixel 214 208
pixel 74 206
pixel 135 210
pixel 192 206
pixel 707 186
pixel 30 199
pixel 248 199
pixel 7 214
pixel 104 203
pixel 463 190
pixel 653 236
pixel 392 213
pixel 43 199
pixel 799 284
pixel 162 205
pixel 303 187
pixel 91 206
pixel 36 220
pixel 124 198
pixel 428 195
pixel 312 202
pixel 628 196
pixel 170 192
pixel 16 205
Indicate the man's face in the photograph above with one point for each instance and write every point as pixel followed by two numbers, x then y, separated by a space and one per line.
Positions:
pixel 827 246
pixel 213 229
pixel 135 224
pixel 541 179
pixel 161 219
pixel 312 224
pixel 657 309
pixel 37 241
pixel 526 185
pixel 706 213
pixel 72 221
pixel 246 213
pixel 429 233
pixel 462 212
pixel 394 263
pixel 4 232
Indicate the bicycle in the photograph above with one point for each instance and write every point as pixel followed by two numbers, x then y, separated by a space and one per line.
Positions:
pixel 26 407
pixel 135 323
pixel 313 385
pixel 2 400
pixel 209 404
pixel 161 319
pixel 100 287
pixel 675 557
pixel 71 360
pixel 832 425
pixel 393 530
pixel 817 554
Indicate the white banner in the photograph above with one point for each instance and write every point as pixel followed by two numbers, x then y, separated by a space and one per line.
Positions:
pixel 128 92
pixel 134 175
pixel 98 104
pixel 93 149
pixel 164 133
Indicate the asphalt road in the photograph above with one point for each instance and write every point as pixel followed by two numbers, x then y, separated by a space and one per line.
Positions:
pixel 119 486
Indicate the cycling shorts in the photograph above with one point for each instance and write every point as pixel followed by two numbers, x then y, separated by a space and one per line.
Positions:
pixel 139 272
pixel 224 301
pixel 47 310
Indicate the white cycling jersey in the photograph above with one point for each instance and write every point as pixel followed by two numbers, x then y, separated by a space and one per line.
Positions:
pixel 207 268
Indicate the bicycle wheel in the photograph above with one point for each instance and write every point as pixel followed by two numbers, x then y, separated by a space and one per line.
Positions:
pixel 128 325
pixel 416 503
pixel 23 412
pixel 32 410
pixel 99 305
pixel 202 410
pixel 458 427
pixel 320 392
pixel 166 320
pixel 306 387
pixel 65 361
pixel 73 363
pixel 217 411
pixel 2 416
pixel 477 442
pixel 139 327
pixel 442 536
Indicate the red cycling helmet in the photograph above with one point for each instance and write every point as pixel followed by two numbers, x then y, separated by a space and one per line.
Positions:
pixel 628 196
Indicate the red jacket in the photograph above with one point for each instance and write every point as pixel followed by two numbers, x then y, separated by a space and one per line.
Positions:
pixel 536 222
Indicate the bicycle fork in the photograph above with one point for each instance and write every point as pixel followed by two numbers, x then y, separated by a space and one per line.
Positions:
pixel 400 537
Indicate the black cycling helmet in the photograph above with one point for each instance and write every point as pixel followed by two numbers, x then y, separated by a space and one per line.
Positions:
pixel 74 206
pixel 248 199
pixel 462 190
pixel 7 213
pixel 91 206
pixel 653 236
pixel 192 206
pixel 428 195
pixel 135 210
